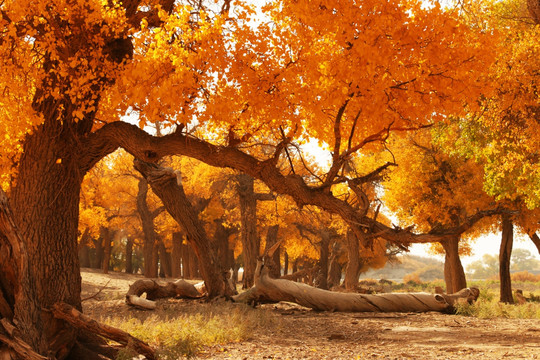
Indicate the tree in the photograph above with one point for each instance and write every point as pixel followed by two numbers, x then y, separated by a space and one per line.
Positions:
pixel 76 67
pixel 440 194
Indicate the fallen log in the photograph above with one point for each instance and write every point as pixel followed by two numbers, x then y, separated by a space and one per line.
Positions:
pixel 267 289
pixel 153 290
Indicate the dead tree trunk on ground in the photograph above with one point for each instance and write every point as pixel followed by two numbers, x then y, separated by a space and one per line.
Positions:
pixel 267 289
pixel 153 290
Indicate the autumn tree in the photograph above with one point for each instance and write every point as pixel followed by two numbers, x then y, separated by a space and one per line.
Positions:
pixel 342 73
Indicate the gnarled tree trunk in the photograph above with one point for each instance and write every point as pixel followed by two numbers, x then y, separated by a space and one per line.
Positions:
pixel 248 215
pixel 166 185
pixel 352 272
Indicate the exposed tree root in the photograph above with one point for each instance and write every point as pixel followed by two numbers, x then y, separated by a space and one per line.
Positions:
pixel 267 289
pixel 78 320
pixel 153 290
pixel 16 346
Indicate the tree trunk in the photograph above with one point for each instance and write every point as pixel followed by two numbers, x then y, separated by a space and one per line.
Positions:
pixel 335 268
pixel 154 290
pixel 324 253
pixel 176 257
pixel 129 255
pixel 274 264
pixel 267 289
pixel 186 262
pixel 285 263
pixel 167 186
pixel 150 236
pixel 454 275
pixel 45 202
pixel 353 266
pixel 248 216
pixel 164 259
pixel 97 259
pixel 107 236
pixel 84 250
pixel 505 253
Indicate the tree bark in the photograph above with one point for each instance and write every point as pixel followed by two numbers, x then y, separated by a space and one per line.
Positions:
pixel 505 253
pixel 176 257
pixel 248 216
pixel 324 254
pixel 454 275
pixel 164 259
pixel 107 236
pixel 274 264
pixel 353 266
pixel 154 291
pixel 167 186
pixel 45 203
pixel 335 269
pixel 267 289
pixel 536 240
pixel 129 255
pixel 150 235
pixel 285 263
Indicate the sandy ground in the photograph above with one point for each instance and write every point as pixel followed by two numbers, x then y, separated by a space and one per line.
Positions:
pixel 306 334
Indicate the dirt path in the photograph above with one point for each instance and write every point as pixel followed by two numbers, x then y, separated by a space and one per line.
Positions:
pixel 305 334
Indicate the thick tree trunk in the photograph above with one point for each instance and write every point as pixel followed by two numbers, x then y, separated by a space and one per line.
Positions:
pixel 285 263
pixel 97 259
pixel 505 253
pixel 267 289
pixel 248 216
pixel 353 266
pixel 186 262
pixel 129 255
pixel 166 185
pixel 454 275
pixel 45 205
pixel 176 257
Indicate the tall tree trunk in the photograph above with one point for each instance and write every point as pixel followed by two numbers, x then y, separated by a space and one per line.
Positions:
pixel 275 264
pixel 84 250
pixel 324 254
pixel 505 253
pixel 107 236
pixel 176 257
pixel 285 263
pixel 248 216
pixel 129 255
pixel 97 259
pixel 166 185
pixel 164 259
pixel 45 203
pixel 353 266
pixel 186 262
pixel 150 236
pixel 221 241
pixel 454 275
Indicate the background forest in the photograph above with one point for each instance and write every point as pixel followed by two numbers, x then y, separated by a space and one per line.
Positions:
pixel 183 139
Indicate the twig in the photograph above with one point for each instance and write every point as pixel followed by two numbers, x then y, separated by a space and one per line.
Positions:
pixel 96 294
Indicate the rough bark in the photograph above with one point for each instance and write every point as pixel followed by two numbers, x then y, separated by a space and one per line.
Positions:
pixel 248 236
pixel 321 279
pixel 84 250
pixel 454 275
pixel 505 253
pixel 166 185
pixel 353 266
pixel 267 289
pixel 335 269
pixel 154 291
